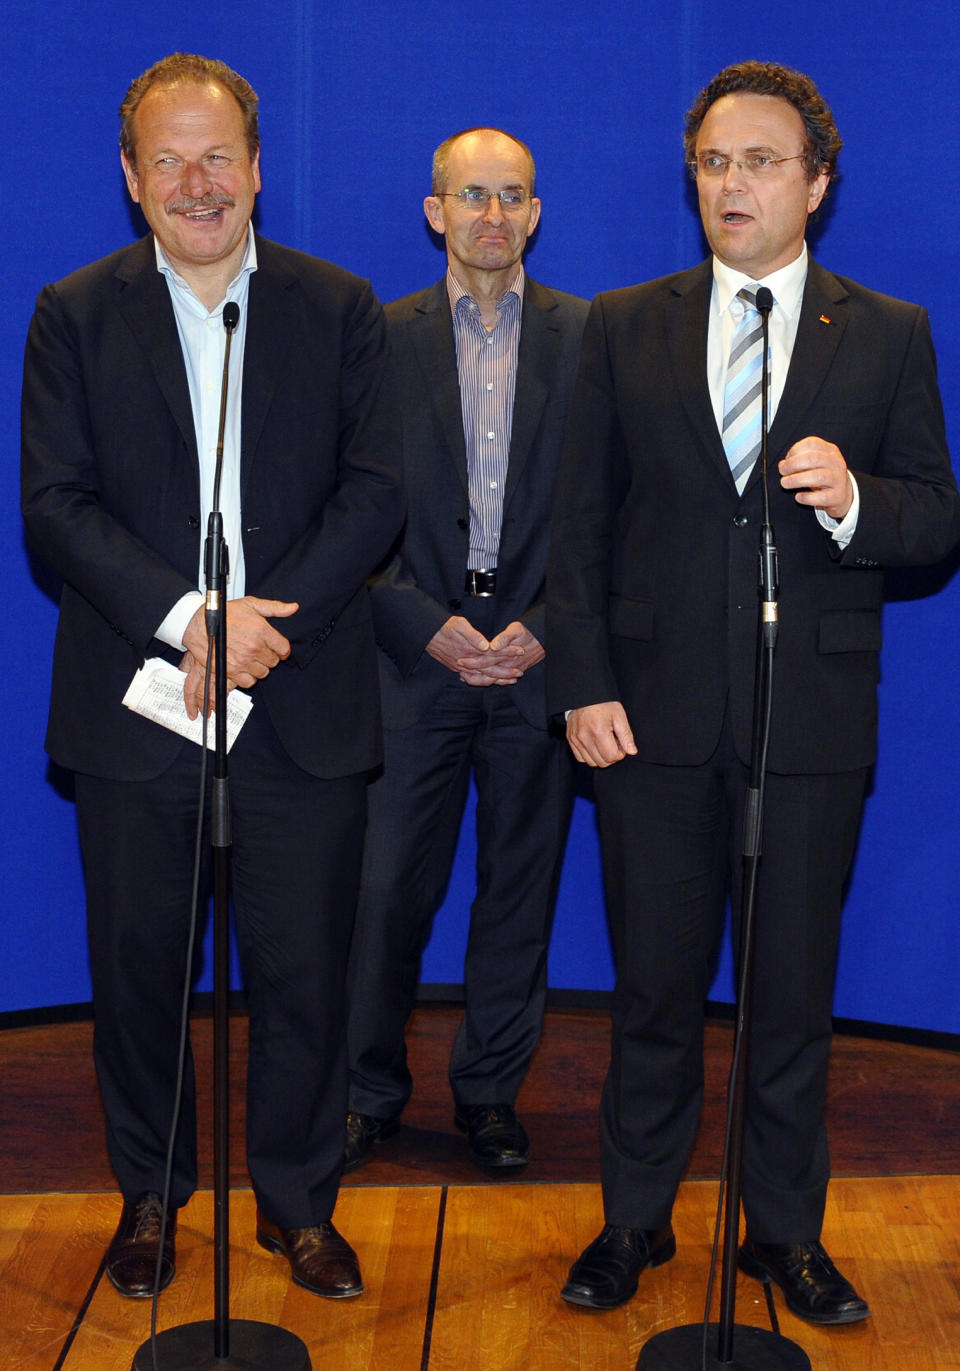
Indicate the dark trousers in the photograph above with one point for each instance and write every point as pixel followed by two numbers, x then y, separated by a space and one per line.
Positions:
pixel 524 781
pixel 295 861
pixel 672 839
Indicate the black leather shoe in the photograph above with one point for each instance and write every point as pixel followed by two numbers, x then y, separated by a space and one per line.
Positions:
pixel 320 1260
pixel 607 1271
pixel 132 1255
pixel 363 1132
pixel 812 1286
pixel 496 1139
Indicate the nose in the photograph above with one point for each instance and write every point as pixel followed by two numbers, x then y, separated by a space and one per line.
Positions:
pixel 733 178
pixel 196 179
pixel 494 210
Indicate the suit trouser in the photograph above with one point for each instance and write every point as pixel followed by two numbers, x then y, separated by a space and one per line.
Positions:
pixel 296 844
pixel 672 841
pixel 524 780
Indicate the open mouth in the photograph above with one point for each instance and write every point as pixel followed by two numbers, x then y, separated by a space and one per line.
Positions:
pixel 734 217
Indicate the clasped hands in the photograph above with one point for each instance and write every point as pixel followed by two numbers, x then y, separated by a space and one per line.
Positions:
pixel 254 647
pixel 479 661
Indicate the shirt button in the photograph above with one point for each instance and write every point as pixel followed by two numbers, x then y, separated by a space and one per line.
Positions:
pixel 493 485
pixel 491 435
pixel 489 342
pixel 489 385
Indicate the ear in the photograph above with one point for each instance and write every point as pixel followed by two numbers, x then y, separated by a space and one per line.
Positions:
pixel 433 209
pixel 255 168
pixel 130 173
pixel 817 190
pixel 534 215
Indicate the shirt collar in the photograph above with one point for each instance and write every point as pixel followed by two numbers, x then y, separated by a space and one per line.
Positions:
pixel 786 284
pixel 456 292
pixel 247 266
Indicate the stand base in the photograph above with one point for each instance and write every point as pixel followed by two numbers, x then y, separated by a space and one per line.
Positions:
pixel 253 1347
pixel 754 1349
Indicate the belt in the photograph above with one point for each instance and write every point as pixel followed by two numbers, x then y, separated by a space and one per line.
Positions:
pixel 481 582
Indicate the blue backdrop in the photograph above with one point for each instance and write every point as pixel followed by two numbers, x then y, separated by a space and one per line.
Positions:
pixel 353 103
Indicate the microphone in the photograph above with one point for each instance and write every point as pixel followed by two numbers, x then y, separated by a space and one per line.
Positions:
pixel 769 562
pixel 216 555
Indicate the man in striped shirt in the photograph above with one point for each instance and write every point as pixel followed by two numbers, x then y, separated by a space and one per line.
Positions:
pixel 484 361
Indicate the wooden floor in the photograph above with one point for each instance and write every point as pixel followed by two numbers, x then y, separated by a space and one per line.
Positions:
pixel 465 1276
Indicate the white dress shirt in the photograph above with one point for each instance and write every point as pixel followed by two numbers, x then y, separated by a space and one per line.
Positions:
pixel 202 341
pixel 786 286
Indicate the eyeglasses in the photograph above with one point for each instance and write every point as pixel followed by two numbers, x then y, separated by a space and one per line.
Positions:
pixel 715 166
pixel 478 197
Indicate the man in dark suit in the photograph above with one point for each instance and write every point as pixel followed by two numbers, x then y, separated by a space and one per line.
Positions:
pixel 120 417
pixel 484 362
pixel 652 623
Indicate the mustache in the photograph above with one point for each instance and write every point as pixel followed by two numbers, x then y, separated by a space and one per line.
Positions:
pixel 212 200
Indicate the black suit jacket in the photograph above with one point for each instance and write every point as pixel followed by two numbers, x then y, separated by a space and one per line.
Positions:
pixel 111 498
pixel 423 584
pixel 653 597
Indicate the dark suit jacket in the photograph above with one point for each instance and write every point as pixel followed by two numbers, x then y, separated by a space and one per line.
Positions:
pixel 111 498
pixel 423 584
pixel 653 597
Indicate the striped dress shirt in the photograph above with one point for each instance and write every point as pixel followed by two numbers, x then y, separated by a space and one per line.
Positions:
pixel 487 370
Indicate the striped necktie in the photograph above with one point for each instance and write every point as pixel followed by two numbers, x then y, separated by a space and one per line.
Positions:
pixel 741 392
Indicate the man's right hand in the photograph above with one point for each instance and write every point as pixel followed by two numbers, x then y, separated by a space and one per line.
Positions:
pixel 254 646
pixel 600 734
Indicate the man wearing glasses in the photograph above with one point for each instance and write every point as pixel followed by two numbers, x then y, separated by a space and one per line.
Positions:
pixel 652 627
pixel 485 361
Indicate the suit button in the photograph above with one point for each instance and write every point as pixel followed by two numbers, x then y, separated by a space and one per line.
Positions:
pixel 741 521
pixel 193 521
pixel 462 523
pixel 454 604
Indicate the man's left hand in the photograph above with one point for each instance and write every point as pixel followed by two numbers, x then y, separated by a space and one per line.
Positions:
pixel 512 652
pixel 816 470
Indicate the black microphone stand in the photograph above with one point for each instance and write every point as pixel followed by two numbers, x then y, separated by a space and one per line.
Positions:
pixel 221 1344
pixel 687 1348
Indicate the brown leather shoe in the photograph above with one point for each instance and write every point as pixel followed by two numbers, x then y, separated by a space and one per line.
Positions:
pixel 320 1260
pixel 132 1255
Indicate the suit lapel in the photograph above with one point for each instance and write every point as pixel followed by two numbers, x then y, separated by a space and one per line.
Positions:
pixel 432 339
pixel 687 322
pixel 270 328
pixel 144 301
pixel 536 364
pixel 821 326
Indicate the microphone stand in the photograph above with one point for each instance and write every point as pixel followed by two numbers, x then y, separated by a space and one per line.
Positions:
pixel 687 1348
pixel 221 1344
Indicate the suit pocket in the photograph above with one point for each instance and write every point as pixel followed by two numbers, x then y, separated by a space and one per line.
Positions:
pixel 850 630
pixel 630 618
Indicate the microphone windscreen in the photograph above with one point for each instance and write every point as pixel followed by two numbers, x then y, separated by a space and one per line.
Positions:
pixel 764 300
pixel 231 315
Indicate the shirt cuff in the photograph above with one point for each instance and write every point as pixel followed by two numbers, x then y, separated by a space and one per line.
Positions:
pixel 842 530
pixel 174 626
